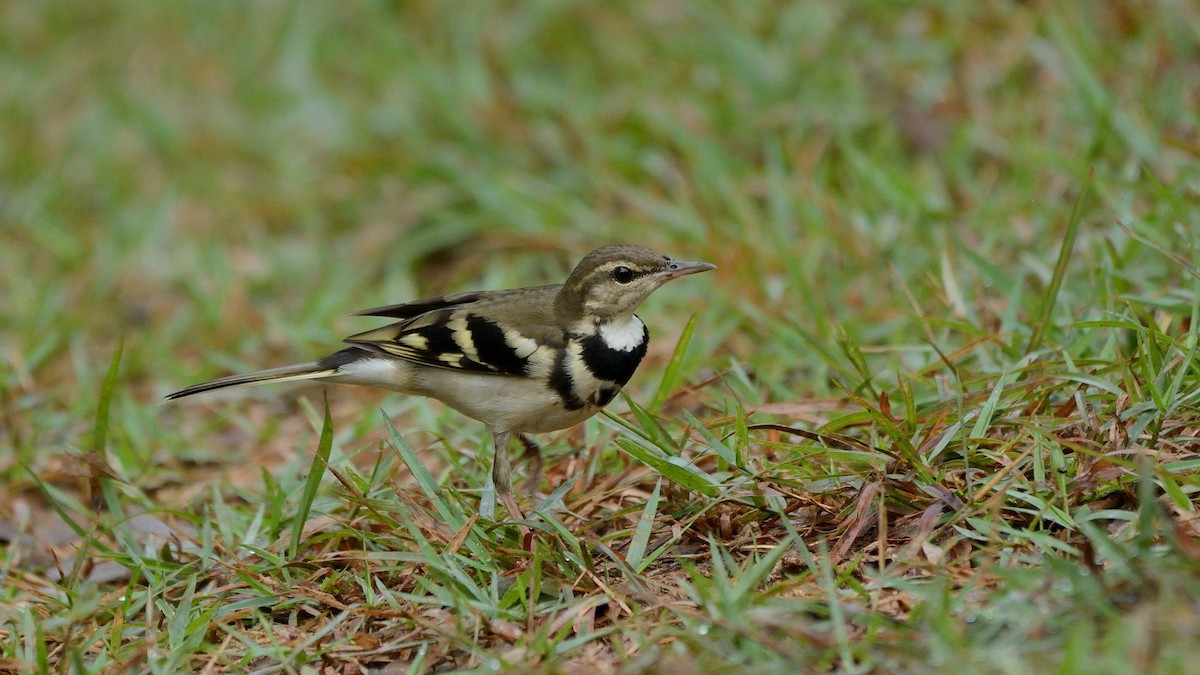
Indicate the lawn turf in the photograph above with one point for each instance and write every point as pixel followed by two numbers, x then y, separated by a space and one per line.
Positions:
pixel 938 409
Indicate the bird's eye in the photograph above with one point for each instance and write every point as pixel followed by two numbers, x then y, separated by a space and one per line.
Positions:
pixel 622 274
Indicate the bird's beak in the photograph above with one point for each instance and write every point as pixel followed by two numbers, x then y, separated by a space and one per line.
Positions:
pixel 681 268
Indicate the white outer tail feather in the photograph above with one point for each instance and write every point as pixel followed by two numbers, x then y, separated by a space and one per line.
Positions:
pixel 300 371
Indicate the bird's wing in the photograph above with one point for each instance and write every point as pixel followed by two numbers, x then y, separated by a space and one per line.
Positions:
pixel 462 332
pixel 411 310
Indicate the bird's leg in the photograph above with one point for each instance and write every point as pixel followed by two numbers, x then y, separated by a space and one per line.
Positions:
pixel 534 454
pixel 501 465
pixel 502 477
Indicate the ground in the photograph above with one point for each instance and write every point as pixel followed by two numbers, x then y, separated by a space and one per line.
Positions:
pixel 937 409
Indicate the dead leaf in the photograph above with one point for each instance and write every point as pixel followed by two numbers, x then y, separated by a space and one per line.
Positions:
pixel 864 514
pixel 933 554
pixel 505 630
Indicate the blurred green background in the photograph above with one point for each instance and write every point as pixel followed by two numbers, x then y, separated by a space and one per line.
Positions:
pixel 884 186
pixel 218 183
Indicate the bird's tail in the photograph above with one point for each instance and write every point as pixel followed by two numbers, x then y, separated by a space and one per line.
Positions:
pixel 313 370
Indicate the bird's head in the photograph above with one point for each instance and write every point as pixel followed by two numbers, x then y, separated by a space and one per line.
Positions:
pixel 611 281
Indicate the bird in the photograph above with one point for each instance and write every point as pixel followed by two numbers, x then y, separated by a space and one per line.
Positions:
pixel 522 361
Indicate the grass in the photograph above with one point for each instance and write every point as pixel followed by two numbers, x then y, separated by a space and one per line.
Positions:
pixel 937 409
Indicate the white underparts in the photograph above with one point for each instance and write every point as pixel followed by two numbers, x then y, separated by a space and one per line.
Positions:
pixel 623 336
pixel 380 372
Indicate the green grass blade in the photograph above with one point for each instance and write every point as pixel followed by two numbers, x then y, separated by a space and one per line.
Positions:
pixel 758 574
pixel 645 526
pixel 409 456
pixel 685 476
pixel 313 481
pixel 649 427
pixel 54 501
pixel 718 446
pixel 425 479
pixel 555 498
pixel 99 452
pixel 177 625
pixel 988 411
pixel 100 430
pixel 671 373
pixel 451 514
pixel 1065 252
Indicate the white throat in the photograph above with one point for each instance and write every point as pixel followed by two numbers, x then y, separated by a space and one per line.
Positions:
pixel 623 335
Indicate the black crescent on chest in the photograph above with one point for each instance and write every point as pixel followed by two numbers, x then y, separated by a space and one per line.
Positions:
pixel 608 363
